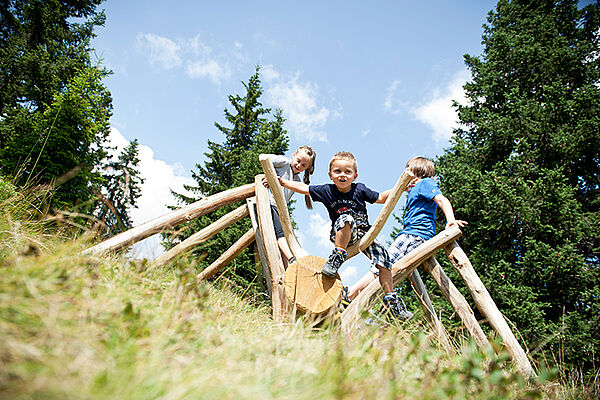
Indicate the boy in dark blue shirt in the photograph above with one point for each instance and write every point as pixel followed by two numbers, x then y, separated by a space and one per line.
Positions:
pixel 346 201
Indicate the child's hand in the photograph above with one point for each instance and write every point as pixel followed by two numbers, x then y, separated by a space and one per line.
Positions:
pixel 265 182
pixel 458 222
pixel 412 183
pixel 280 179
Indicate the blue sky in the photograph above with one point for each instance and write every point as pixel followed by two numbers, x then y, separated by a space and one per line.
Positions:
pixel 376 79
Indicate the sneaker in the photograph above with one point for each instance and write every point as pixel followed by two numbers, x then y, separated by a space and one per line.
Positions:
pixel 332 265
pixel 345 300
pixel 394 305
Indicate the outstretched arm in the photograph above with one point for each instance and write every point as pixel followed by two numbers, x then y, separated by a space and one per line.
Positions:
pixel 445 205
pixel 384 195
pixel 298 187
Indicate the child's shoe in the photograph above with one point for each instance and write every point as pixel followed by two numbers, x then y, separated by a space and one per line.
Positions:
pixel 332 265
pixel 395 306
pixel 345 300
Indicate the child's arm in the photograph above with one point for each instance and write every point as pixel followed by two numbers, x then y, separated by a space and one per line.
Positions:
pixel 383 196
pixel 445 205
pixel 298 187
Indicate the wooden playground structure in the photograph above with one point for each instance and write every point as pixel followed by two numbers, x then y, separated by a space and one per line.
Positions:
pixel 302 286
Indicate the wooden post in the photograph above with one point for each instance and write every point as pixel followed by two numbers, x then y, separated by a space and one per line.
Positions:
pixel 458 302
pixel 383 216
pixel 488 308
pixel 171 219
pixel 244 241
pixel 434 322
pixel 282 208
pixel 402 268
pixel 201 236
pixel 251 202
pixel 272 252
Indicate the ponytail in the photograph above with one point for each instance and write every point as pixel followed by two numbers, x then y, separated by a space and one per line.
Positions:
pixel 309 171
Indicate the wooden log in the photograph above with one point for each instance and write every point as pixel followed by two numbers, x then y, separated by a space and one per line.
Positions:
pixel 434 322
pixel 488 308
pixel 251 203
pixel 308 289
pixel 282 208
pixel 457 301
pixel 273 255
pixel 400 271
pixel 201 236
pixel 383 216
pixel 171 219
pixel 244 241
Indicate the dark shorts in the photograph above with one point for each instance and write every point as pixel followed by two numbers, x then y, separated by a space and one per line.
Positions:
pixel 277 222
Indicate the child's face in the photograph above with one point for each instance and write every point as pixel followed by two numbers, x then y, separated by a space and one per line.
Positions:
pixel 300 161
pixel 342 173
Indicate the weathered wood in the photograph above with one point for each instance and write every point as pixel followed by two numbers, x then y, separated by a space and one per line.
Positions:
pixel 272 253
pixel 400 271
pixel 282 208
pixel 488 308
pixel 383 216
pixel 244 241
pixel 434 322
pixel 308 289
pixel 171 219
pixel 200 236
pixel 251 203
pixel 457 301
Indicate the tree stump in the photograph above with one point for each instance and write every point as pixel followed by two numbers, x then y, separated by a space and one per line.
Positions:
pixel 308 289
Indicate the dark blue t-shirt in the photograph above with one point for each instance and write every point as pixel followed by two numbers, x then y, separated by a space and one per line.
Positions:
pixel 420 209
pixel 352 202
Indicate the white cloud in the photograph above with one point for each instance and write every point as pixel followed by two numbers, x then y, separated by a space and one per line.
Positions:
pixel 391 102
pixel 298 100
pixel 159 177
pixel 160 50
pixel 197 57
pixel 320 228
pixel 438 112
pixel 348 273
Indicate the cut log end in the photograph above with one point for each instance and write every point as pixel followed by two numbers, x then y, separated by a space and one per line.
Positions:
pixel 308 289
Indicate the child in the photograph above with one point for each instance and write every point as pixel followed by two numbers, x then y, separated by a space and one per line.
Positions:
pixel 419 219
pixel 346 201
pixel 303 160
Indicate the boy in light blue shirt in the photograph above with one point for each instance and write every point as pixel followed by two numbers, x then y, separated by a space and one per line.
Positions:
pixel 419 218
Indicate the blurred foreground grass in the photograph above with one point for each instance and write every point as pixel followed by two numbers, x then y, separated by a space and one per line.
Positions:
pixel 85 327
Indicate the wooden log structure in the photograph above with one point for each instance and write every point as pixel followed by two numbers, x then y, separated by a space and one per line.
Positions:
pixel 435 324
pixel 457 301
pixel 488 308
pixel 282 207
pixel 251 203
pixel 200 236
pixel 400 271
pixel 272 253
pixel 224 259
pixel 171 219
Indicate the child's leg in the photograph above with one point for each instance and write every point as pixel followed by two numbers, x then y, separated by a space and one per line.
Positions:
pixel 343 232
pixel 342 237
pixel 385 279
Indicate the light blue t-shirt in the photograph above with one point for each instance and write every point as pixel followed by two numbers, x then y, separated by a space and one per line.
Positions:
pixel 419 213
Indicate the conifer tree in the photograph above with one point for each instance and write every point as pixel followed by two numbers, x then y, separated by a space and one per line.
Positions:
pixel 233 163
pixel 524 171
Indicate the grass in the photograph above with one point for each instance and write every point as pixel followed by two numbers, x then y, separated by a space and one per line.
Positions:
pixel 86 327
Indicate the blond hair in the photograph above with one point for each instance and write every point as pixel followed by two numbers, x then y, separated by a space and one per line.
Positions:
pixel 344 155
pixel 309 171
pixel 422 167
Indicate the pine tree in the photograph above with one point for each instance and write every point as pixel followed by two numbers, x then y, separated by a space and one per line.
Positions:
pixel 524 171
pixel 234 163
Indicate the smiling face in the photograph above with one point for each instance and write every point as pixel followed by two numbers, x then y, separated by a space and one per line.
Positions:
pixel 301 161
pixel 342 173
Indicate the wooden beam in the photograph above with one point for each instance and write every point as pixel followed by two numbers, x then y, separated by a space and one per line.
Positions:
pixel 282 207
pixel 400 271
pixel 383 216
pixel 171 219
pixel 201 236
pixel 488 308
pixel 457 301
pixel 273 255
pixel 244 241
pixel 251 203
pixel 434 322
